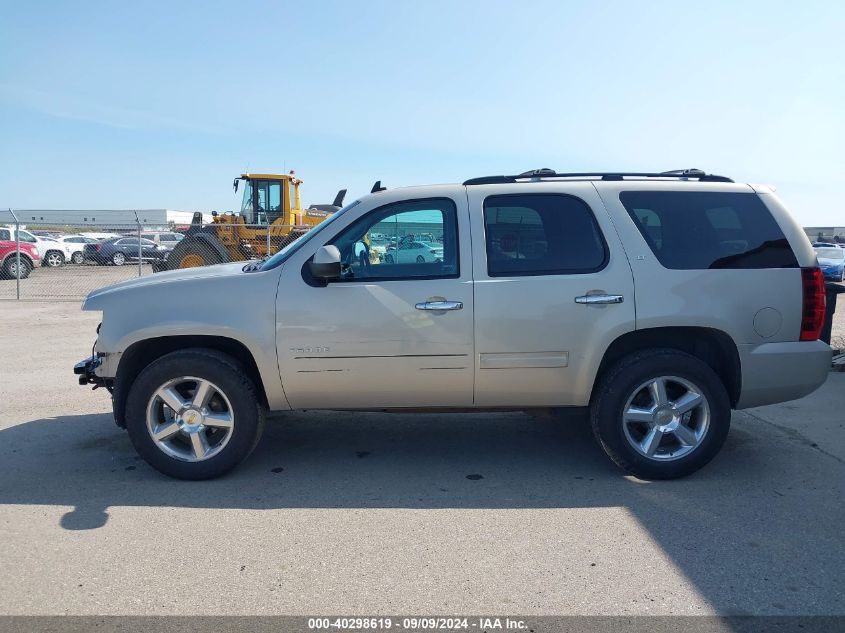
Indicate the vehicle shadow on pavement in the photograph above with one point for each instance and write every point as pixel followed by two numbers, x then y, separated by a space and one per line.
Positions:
pixel 756 518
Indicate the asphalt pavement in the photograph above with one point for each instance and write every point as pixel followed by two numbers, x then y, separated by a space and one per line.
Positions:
pixel 383 514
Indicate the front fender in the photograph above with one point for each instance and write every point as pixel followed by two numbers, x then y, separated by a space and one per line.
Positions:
pixel 219 301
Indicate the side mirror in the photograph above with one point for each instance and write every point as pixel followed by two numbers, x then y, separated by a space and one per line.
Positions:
pixel 326 263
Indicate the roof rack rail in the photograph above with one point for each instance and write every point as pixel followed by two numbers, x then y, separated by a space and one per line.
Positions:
pixel 545 172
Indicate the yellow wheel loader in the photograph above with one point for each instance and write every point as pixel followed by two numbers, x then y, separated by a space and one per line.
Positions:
pixel 270 217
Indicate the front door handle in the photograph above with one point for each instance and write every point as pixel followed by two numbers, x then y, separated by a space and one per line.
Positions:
pixel 599 299
pixel 439 306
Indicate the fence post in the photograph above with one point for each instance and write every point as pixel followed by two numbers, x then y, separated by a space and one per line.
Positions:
pixel 17 255
pixel 268 237
pixel 139 242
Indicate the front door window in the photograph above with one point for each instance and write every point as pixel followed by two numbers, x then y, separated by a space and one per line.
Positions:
pixel 406 240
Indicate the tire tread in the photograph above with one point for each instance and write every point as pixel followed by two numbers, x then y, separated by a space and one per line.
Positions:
pixel 609 390
pixel 136 416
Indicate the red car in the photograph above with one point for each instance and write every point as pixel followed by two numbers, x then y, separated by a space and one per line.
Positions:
pixel 9 261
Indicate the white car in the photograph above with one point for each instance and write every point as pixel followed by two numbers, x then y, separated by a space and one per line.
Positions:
pixel 75 244
pixel 165 239
pixel 53 253
pixel 99 237
pixel 414 252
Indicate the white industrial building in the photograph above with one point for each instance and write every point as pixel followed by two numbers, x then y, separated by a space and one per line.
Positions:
pixel 150 218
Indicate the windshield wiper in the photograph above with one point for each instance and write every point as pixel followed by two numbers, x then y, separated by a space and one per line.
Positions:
pixel 254 266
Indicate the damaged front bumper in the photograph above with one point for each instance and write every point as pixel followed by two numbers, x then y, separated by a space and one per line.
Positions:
pixel 86 371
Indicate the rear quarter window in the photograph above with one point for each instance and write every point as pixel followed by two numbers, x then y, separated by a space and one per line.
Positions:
pixel 691 230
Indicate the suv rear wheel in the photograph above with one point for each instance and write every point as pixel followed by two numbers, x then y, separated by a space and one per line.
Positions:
pixel 194 414
pixel 661 414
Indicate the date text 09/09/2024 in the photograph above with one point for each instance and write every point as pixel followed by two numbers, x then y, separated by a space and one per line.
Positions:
pixel 417 623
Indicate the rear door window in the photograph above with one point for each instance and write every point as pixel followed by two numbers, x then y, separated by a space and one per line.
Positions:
pixel 541 234
pixel 691 230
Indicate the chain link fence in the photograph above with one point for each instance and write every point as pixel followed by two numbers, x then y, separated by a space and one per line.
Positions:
pixel 65 260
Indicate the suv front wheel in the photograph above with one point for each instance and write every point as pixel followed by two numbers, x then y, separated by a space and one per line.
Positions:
pixel 194 414
pixel 661 414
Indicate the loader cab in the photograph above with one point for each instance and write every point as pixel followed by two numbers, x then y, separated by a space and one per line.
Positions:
pixel 267 198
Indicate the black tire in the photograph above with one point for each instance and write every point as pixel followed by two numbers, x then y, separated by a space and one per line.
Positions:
pixel 420 259
pixel 620 383
pixel 225 372
pixel 77 258
pixel 10 265
pixel 388 259
pixel 118 259
pixel 193 252
pixel 53 259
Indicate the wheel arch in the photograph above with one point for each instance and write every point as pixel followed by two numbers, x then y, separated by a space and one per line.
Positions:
pixel 712 346
pixel 142 353
pixel 24 257
pixel 58 251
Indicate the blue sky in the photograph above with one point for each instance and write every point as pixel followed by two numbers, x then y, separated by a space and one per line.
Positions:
pixel 160 104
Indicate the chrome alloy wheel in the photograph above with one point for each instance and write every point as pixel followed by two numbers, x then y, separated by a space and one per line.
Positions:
pixel 190 419
pixel 54 259
pixel 666 418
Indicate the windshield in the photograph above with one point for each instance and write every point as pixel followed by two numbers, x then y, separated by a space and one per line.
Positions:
pixel 279 258
pixel 831 253
pixel 246 204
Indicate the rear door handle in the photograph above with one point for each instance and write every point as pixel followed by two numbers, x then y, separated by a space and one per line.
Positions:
pixel 439 306
pixel 599 299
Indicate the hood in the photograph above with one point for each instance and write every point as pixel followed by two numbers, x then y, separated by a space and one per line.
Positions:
pixel 25 246
pixel 94 300
pixel 824 261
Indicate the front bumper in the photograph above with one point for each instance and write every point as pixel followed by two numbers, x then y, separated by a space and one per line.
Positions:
pixel 832 273
pixel 86 370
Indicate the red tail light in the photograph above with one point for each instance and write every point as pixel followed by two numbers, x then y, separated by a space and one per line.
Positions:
pixel 812 315
pixel 98 247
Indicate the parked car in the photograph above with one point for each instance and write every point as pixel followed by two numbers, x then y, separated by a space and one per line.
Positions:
pixel 100 236
pixel 29 259
pixel 52 253
pixel 121 250
pixel 76 245
pixel 409 252
pixel 165 239
pixel 553 291
pixel 832 262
